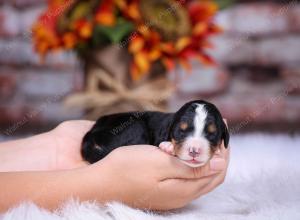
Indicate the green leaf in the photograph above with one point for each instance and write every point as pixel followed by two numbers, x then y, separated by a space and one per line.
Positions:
pixel 81 10
pixel 116 33
pixel 225 3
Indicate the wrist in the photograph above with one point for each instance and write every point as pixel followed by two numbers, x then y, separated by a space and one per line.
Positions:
pixel 27 154
pixel 96 183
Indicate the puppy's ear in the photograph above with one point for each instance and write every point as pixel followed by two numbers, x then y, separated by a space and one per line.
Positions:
pixel 225 135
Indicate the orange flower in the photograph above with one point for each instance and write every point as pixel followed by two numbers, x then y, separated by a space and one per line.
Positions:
pixel 154 54
pixel 142 61
pixel 84 28
pixel 136 45
pixel 69 40
pixel 182 43
pixel 200 28
pixel 129 8
pixel 202 10
pixel 45 39
pixel 169 63
pixel 105 18
pixel 148 46
pixel 133 11
pixel 105 13
pixel 44 31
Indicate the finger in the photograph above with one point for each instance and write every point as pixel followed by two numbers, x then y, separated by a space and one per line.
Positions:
pixel 222 152
pixel 225 153
pixel 85 124
pixel 167 147
pixel 186 188
pixel 214 182
pixel 218 179
pixel 175 169
pixel 217 164
pixel 225 121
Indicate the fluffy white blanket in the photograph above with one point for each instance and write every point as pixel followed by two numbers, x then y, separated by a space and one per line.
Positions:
pixel 263 182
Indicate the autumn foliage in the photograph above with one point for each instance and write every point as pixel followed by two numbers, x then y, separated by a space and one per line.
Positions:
pixel 166 31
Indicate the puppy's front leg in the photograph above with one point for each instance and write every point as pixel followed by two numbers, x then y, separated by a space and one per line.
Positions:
pixel 167 147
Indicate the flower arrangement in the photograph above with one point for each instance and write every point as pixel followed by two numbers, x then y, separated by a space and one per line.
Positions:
pixel 165 31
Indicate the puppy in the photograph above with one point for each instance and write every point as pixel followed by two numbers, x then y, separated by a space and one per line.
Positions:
pixel 193 133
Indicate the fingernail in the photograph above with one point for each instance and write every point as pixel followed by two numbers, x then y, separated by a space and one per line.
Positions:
pixel 225 120
pixel 217 164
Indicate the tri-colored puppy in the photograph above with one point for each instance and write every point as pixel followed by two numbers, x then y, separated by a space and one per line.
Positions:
pixel 193 133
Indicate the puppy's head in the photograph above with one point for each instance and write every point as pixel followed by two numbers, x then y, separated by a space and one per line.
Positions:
pixel 197 131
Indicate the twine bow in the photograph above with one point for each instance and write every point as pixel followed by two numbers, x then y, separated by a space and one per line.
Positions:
pixel 100 99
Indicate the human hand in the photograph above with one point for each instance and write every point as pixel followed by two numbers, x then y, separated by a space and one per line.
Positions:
pixel 66 139
pixel 145 177
pixel 140 176
pixel 57 149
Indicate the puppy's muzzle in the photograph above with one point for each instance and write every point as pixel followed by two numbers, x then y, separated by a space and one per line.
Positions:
pixel 194 152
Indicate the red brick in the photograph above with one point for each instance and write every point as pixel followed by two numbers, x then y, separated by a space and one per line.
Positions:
pixel 292 110
pixel 256 18
pixel 279 51
pixel 26 3
pixel 16 117
pixel 39 100
pixel 11 113
pixel 27 19
pixel 9 22
pixel 233 49
pixel 8 83
pixel 248 104
pixel 40 83
pixel 18 22
pixel 204 81
pixel 56 111
pixel 37 84
pixel 47 110
pixel 294 19
pixel 18 52
pixel 291 78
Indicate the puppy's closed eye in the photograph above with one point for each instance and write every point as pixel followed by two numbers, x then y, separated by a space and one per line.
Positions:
pixel 211 128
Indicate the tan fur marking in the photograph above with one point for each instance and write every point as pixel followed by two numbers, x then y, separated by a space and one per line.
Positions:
pixel 183 126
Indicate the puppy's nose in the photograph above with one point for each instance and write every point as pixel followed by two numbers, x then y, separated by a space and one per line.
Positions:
pixel 194 152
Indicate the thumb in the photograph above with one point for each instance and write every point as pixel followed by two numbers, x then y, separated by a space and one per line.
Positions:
pixel 217 164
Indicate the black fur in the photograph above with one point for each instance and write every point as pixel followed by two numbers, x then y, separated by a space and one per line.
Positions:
pixel 134 128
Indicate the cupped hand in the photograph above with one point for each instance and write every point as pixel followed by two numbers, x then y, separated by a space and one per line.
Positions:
pixel 141 176
pixel 147 178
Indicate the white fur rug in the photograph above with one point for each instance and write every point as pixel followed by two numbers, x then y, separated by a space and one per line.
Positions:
pixel 263 182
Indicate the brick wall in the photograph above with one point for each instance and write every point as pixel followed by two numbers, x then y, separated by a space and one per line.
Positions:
pixel 31 91
pixel 263 56
pixel 260 51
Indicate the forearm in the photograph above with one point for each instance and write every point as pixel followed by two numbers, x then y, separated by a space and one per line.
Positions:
pixel 52 188
pixel 27 154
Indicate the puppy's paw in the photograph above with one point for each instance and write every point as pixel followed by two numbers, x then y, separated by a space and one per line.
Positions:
pixel 167 147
